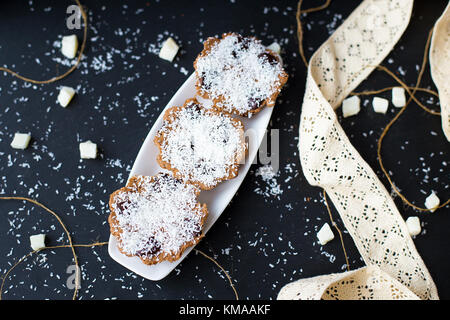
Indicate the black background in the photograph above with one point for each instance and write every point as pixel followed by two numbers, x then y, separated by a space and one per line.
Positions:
pixel 263 241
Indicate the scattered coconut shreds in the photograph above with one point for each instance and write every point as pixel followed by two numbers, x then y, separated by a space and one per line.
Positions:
pixel 271 188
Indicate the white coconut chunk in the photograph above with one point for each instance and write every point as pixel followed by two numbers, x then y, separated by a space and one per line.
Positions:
pixel 65 95
pixel 398 97
pixel 21 140
pixel 380 105
pixel 37 241
pixel 88 150
pixel 69 46
pixel 350 106
pixel 325 234
pixel 275 47
pixel 413 224
pixel 432 202
pixel 169 50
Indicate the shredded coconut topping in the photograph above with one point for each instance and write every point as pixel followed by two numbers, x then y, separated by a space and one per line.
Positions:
pixel 202 145
pixel 157 215
pixel 239 72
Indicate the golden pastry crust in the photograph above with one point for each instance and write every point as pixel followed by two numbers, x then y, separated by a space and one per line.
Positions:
pixel 137 187
pixel 221 102
pixel 230 170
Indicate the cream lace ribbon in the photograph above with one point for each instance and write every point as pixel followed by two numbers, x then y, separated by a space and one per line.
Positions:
pixel 394 268
pixel 361 284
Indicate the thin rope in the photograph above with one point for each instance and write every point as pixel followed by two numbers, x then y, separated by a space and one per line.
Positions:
pixel 336 227
pixel 300 28
pixel 224 271
pixel 370 92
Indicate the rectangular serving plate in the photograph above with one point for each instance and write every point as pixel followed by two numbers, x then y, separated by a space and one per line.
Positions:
pixel 216 199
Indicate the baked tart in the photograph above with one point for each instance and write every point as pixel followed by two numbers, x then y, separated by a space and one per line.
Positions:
pixel 239 74
pixel 200 146
pixel 156 217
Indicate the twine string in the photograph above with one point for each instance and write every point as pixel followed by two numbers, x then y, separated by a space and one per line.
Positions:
pixel 300 28
pixel 224 271
pixel 324 195
pixel 370 92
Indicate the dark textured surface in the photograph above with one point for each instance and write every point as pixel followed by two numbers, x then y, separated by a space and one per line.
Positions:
pixel 264 241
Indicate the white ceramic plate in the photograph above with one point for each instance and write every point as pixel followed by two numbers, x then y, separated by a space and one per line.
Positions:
pixel 216 199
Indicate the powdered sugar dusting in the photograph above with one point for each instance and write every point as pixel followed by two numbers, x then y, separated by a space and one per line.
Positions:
pixel 157 214
pixel 202 145
pixel 241 71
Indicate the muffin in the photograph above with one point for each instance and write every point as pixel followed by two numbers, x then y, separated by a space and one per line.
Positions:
pixel 200 146
pixel 239 74
pixel 156 218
